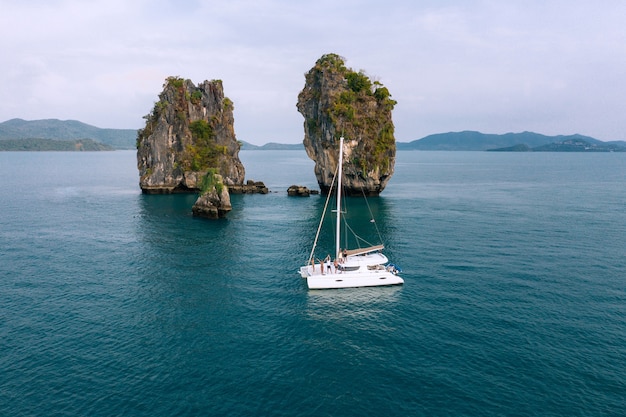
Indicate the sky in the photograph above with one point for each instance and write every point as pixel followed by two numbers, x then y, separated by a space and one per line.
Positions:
pixel 552 67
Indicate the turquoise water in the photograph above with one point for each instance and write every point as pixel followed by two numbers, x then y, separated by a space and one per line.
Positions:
pixel 117 303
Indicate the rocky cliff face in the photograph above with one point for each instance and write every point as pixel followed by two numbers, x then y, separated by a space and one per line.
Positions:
pixel 337 101
pixel 189 131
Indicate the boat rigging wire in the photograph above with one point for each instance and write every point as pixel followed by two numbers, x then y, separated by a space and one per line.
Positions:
pixel 319 227
pixel 380 238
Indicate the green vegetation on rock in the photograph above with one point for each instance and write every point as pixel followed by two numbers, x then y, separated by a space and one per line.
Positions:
pixel 203 152
pixel 212 180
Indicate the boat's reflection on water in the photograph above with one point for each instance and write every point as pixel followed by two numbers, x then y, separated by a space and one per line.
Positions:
pixel 352 302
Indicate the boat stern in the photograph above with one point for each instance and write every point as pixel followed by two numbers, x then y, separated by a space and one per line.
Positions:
pixel 304 271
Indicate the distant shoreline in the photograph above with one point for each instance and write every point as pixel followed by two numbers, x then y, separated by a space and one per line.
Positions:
pixel 47 145
pixel 72 135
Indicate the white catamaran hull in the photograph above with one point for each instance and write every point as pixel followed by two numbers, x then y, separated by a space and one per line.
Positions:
pixel 353 280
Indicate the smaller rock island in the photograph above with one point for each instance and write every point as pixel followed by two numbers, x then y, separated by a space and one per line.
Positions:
pixel 214 200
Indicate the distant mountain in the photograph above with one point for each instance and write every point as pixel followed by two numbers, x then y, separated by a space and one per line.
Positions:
pixel 569 145
pixel 52 145
pixel 67 130
pixel 476 141
pixel 271 146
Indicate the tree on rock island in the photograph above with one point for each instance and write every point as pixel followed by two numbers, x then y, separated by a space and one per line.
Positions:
pixel 337 101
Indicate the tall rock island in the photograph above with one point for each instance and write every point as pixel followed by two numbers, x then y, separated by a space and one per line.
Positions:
pixel 337 101
pixel 189 131
pixel 188 145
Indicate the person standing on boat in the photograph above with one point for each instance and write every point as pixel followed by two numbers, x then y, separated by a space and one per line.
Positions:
pixel 340 257
pixel 327 262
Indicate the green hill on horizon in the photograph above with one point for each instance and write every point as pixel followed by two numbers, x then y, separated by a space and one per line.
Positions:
pixel 35 144
pixel 477 141
pixel 67 130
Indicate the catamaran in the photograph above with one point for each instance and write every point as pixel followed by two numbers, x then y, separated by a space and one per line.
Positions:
pixel 359 267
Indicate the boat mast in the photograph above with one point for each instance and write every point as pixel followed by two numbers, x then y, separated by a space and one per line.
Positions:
pixel 339 175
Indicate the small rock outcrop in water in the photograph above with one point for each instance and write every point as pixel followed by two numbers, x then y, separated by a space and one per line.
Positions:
pixel 250 187
pixel 189 131
pixel 337 101
pixel 214 202
pixel 300 191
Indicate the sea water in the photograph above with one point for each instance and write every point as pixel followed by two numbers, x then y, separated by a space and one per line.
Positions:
pixel 118 303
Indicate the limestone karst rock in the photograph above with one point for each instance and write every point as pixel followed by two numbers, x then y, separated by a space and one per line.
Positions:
pixel 337 101
pixel 189 130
